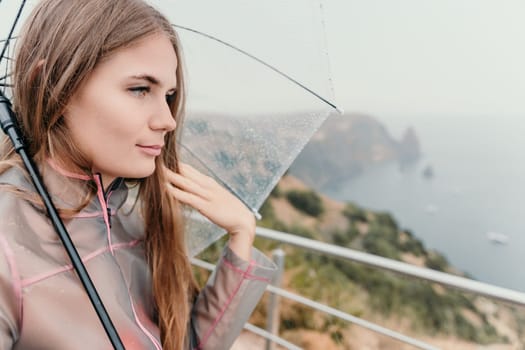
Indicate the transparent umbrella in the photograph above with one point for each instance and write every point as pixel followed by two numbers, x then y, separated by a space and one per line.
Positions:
pixel 259 86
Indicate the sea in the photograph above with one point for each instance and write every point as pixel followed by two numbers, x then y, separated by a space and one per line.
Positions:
pixel 472 207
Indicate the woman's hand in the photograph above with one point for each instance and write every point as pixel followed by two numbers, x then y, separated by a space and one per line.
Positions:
pixel 216 203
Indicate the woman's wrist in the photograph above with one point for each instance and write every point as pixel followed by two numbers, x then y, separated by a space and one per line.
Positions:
pixel 241 241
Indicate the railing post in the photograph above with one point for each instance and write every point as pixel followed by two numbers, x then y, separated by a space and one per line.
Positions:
pixel 272 318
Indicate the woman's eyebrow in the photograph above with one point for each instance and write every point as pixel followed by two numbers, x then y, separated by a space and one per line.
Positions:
pixel 149 78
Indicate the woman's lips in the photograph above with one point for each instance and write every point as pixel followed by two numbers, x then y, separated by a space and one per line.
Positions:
pixel 151 150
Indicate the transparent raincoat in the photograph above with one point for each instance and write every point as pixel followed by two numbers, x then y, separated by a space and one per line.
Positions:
pixel 42 303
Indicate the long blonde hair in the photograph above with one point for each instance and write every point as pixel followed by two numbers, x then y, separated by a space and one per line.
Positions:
pixel 61 43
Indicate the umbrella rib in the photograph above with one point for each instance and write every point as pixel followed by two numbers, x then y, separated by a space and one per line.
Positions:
pixel 228 187
pixel 261 62
pixel 6 73
pixel 20 9
pixel 5 76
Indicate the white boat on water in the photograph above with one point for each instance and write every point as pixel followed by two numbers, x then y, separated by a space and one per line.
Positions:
pixel 497 237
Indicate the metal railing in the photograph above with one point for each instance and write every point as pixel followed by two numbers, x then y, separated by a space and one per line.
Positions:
pixel 272 337
pixel 442 278
pixel 446 279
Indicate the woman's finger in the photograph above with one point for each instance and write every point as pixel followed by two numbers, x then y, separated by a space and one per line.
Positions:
pixel 188 198
pixel 201 179
pixel 186 184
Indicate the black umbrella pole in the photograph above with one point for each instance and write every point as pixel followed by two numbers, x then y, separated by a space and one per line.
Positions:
pixel 8 124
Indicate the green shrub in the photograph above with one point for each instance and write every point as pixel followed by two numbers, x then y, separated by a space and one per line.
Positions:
pixel 354 213
pixel 352 232
pixel 345 238
pixel 385 219
pixel 489 334
pixel 379 246
pixel 464 329
pixel 437 262
pixel 307 202
pixel 413 245
pixel 340 238
pixel 382 240
pixel 337 337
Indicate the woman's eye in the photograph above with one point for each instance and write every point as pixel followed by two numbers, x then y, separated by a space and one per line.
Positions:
pixel 139 91
pixel 170 98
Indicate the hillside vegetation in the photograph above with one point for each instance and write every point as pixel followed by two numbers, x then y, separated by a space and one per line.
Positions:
pixel 440 316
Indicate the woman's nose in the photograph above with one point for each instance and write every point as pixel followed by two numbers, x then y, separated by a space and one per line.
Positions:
pixel 163 119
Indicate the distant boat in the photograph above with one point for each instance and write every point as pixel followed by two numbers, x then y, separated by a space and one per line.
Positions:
pixel 497 237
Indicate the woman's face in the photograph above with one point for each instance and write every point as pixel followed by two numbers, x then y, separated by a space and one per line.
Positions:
pixel 119 116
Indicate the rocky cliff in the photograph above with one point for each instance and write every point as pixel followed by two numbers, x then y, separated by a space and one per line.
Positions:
pixel 345 145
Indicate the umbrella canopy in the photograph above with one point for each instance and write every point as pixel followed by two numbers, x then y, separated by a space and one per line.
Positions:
pixel 258 88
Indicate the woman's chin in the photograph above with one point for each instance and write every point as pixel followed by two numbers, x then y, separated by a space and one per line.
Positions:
pixel 140 172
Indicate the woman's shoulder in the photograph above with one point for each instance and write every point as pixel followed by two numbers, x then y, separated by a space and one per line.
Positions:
pixel 14 177
pixel 18 215
pixel 14 187
pixel 15 192
pixel 28 242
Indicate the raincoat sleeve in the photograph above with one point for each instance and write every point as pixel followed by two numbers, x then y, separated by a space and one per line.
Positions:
pixel 229 297
pixel 10 297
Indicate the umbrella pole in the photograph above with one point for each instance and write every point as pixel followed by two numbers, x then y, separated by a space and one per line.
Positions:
pixel 8 124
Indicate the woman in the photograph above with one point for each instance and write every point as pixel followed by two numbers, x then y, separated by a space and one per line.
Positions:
pixel 99 94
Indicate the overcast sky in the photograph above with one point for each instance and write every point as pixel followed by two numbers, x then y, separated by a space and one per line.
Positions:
pixel 453 57
pixel 428 56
